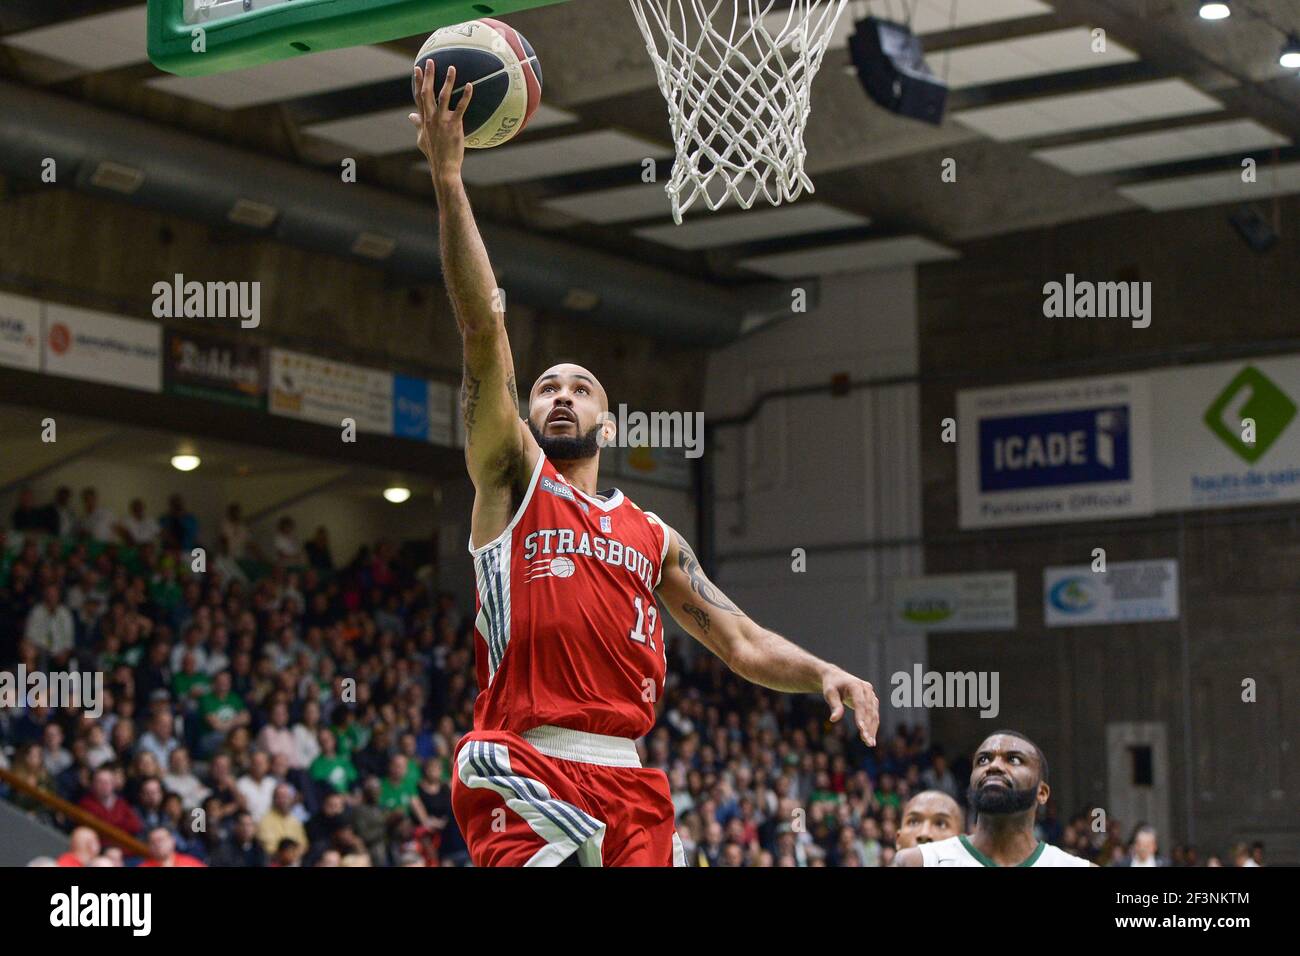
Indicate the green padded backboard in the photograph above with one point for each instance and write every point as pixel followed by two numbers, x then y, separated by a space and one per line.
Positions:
pixel 198 37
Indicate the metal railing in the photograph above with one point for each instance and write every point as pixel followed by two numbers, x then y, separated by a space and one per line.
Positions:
pixel 57 805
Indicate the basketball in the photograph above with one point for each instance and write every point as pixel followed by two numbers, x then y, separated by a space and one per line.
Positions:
pixel 502 66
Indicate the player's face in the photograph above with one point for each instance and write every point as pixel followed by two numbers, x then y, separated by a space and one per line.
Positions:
pixel 564 412
pixel 927 819
pixel 1005 776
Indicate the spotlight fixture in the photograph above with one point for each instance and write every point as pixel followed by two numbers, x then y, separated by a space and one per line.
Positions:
pixel 248 212
pixel 117 177
pixel 372 245
pixel 186 462
pixel 1289 58
pixel 397 494
pixel 1215 10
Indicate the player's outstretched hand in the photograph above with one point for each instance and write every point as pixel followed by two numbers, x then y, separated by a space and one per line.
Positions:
pixel 841 689
pixel 442 135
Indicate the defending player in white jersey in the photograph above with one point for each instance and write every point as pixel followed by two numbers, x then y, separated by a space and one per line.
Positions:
pixel 929 817
pixel 1008 785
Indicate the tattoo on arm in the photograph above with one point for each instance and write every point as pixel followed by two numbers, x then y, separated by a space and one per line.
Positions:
pixel 469 395
pixel 700 584
pixel 700 615
pixel 510 387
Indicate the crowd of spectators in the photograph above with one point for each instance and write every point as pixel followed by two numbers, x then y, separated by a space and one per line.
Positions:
pixel 274 710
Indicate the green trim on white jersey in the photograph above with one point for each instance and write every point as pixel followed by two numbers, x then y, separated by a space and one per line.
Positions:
pixel 985 861
pixel 959 851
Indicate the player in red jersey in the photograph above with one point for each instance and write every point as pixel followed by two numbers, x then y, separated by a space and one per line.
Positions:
pixel 570 649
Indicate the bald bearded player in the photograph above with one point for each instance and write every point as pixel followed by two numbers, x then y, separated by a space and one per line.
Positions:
pixel 570 648
pixel 1008 784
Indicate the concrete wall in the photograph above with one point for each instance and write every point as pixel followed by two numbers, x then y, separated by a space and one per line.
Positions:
pixel 835 475
pixel 95 253
pixel 25 838
pixel 981 323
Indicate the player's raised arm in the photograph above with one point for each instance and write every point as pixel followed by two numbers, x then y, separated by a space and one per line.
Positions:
pixel 496 440
pixel 755 653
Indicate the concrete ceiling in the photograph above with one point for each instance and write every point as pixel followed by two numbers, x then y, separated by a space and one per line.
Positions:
pixel 1022 93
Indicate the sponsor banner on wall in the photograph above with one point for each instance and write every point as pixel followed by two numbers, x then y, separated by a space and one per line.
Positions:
pixel 410 407
pixel 442 413
pixel 1229 434
pixel 984 601
pixel 20 332
pixel 200 366
pixel 660 466
pixel 422 409
pixel 321 390
pixel 79 343
pixel 1071 450
pixel 1125 592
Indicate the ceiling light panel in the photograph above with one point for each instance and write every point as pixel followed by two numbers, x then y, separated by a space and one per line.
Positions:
pixel 289 79
pixel 1113 106
pixel 871 255
pixel 752 226
pixel 1040 54
pixel 928 16
pixel 390 131
pixel 105 41
pixel 1163 146
pixel 1212 189
pixel 557 157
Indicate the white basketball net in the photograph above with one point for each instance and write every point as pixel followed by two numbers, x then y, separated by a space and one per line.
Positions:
pixel 737 76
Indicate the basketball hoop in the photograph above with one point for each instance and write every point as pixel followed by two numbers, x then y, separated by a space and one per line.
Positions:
pixel 737 76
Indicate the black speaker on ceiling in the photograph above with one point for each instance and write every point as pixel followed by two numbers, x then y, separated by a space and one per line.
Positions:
pixel 1254 229
pixel 891 67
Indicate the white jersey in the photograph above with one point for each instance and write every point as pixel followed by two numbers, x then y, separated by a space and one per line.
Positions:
pixel 958 851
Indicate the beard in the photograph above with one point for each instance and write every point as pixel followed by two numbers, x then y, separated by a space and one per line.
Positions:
pixel 997 802
pixel 568 447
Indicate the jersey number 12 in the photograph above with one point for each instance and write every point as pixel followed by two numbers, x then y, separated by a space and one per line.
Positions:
pixel 642 613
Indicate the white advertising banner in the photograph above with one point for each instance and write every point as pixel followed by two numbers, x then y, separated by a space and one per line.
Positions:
pixel 321 390
pixel 20 332
pixel 1229 434
pixel 1070 450
pixel 1125 592
pixel 983 601
pixel 79 343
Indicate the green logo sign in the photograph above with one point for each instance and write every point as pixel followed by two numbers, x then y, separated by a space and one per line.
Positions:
pixel 927 610
pixel 1250 395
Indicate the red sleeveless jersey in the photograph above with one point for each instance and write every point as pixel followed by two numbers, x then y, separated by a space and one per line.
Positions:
pixel 568 628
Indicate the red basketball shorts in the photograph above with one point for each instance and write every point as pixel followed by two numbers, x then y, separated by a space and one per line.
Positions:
pixel 553 793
